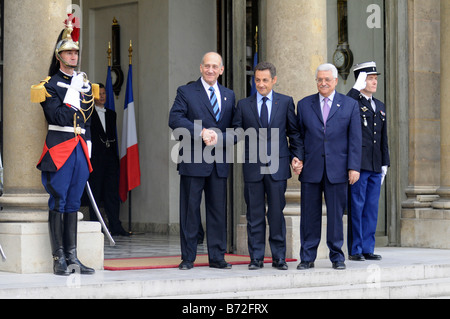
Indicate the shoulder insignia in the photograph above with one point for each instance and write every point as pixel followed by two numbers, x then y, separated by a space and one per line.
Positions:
pixel 39 93
pixel 96 91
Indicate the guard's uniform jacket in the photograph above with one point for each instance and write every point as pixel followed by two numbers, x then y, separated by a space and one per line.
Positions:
pixel 67 126
pixel 375 150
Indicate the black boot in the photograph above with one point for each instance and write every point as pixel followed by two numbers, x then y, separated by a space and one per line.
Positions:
pixel 55 226
pixel 70 244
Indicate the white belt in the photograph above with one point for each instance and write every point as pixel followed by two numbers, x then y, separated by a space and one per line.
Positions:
pixel 66 129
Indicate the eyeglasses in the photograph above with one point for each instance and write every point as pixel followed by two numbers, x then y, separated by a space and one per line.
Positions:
pixel 327 80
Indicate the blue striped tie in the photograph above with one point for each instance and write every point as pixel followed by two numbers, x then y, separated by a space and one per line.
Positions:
pixel 214 104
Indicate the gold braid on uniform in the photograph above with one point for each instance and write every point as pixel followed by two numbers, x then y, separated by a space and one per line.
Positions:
pixel 95 95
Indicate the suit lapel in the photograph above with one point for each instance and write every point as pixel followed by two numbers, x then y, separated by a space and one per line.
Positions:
pixel 225 102
pixel 316 107
pixel 204 97
pixel 254 107
pixel 336 105
pixel 275 107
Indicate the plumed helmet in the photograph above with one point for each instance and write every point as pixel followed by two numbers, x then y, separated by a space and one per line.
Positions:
pixel 68 42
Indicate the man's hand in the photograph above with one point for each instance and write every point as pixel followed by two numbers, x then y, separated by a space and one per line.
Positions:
pixel 353 177
pixel 297 166
pixel 209 137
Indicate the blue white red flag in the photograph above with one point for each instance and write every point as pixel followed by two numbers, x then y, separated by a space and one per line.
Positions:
pixel 130 172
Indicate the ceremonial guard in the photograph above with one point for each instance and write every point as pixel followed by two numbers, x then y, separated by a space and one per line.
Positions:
pixel 68 102
pixel 365 194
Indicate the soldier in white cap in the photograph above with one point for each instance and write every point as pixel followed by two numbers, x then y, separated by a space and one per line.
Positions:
pixel 365 194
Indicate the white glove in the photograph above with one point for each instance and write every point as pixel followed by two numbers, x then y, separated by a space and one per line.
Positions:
pixel 77 86
pixel 89 145
pixel 361 82
pixel 383 173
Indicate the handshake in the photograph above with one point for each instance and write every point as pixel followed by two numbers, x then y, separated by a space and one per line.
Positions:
pixel 297 166
pixel 210 138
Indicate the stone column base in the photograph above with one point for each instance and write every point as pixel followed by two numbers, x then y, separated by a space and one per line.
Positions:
pixel 25 239
pixel 292 238
pixel 425 228
pixel 27 247
pixel 444 198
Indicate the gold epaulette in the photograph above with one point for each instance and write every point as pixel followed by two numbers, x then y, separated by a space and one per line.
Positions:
pixel 96 91
pixel 39 93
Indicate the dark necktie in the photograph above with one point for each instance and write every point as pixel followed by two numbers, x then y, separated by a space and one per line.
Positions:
pixel 264 114
pixel 214 104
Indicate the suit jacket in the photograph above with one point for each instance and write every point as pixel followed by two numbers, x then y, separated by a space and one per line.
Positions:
pixel 375 148
pixel 336 150
pixel 60 145
pixel 100 139
pixel 192 105
pixel 283 117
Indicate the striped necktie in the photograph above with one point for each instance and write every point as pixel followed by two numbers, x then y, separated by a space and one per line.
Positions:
pixel 215 104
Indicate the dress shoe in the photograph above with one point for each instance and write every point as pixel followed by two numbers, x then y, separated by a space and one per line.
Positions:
pixel 222 264
pixel 357 257
pixel 121 232
pixel 372 257
pixel 186 265
pixel 305 265
pixel 339 265
pixel 255 264
pixel 280 264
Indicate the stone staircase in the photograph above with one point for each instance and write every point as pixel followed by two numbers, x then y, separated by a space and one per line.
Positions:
pixel 359 281
pixel 404 273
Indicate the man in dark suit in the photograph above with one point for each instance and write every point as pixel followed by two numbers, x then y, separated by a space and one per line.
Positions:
pixel 331 155
pixel 365 194
pixel 265 112
pixel 104 180
pixel 205 110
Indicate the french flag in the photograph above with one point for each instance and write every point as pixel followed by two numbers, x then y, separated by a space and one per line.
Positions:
pixel 130 171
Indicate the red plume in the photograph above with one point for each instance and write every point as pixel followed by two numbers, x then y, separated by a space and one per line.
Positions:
pixel 76 27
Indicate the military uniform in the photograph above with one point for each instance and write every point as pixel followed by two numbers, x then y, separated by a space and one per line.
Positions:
pixel 65 163
pixel 365 193
pixel 66 143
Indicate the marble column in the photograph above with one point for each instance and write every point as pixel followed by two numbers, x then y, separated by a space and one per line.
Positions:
pixel 31 31
pixel 294 34
pixel 423 224
pixel 444 190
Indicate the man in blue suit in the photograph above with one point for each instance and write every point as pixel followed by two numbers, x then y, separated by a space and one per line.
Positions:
pixel 204 109
pixel 331 155
pixel 272 117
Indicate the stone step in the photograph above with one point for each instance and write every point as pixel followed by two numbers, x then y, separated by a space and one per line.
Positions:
pixel 387 283
pixel 403 273
pixel 416 289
